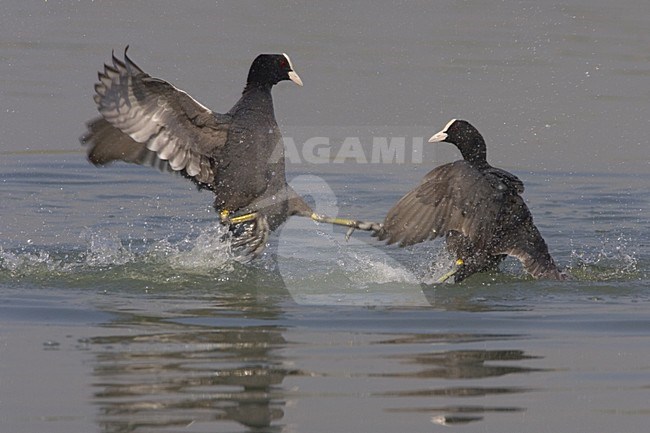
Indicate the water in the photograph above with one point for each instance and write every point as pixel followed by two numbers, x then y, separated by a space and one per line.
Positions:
pixel 121 310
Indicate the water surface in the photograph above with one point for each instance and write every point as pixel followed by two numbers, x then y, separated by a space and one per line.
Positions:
pixel 123 310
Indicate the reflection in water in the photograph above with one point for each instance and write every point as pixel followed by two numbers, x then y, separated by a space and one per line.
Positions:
pixel 459 365
pixel 466 364
pixel 154 374
pixel 155 381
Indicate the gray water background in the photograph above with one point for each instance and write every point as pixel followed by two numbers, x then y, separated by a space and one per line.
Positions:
pixel 121 310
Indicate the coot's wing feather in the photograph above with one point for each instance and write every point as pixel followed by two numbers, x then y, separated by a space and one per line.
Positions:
pixel 520 238
pixel 177 132
pixel 107 144
pixel 454 197
pixel 508 179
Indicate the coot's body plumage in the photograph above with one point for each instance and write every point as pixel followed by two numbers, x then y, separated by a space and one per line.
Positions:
pixel 476 207
pixel 238 155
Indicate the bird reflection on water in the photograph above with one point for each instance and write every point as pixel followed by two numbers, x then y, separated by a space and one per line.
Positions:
pixel 211 369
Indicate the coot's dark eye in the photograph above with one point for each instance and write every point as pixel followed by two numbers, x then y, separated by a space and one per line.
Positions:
pixel 284 64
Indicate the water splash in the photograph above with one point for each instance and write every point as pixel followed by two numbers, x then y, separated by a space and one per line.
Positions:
pixel 22 262
pixel 207 250
pixel 104 258
pixel 105 249
pixel 309 266
pixel 615 259
pixel 210 250
pixel 352 273
pixel 369 269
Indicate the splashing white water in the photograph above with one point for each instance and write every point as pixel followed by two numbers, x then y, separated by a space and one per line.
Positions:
pixel 25 261
pixel 614 259
pixel 104 249
pixel 378 269
pixel 210 250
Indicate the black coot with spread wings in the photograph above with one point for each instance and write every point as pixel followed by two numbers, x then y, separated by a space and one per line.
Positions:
pixel 238 155
pixel 477 207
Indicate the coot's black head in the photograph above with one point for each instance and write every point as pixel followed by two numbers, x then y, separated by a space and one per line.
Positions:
pixel 269 69
pixel 466 138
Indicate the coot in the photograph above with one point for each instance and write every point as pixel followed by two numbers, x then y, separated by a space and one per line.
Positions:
pixel 238 155
pixel 477 207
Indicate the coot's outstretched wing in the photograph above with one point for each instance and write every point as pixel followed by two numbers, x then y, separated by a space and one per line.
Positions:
pixel 146 120
pixel 454 197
